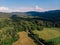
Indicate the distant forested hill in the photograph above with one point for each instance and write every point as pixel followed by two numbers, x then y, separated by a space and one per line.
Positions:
pixel 53 15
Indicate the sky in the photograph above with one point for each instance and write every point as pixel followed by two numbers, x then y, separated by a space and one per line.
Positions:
pixel 28 5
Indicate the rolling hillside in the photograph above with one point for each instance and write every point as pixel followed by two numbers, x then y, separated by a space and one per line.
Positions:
pixel 29 27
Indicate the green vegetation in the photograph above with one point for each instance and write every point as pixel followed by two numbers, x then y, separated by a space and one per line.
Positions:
pixel 9 28
pixel 55 40
pixel 49 35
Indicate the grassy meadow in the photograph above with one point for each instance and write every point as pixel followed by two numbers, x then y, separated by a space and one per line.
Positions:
pixel 49 34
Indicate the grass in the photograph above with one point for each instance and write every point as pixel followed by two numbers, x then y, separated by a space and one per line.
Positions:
pixel 55 40
pixel 49 34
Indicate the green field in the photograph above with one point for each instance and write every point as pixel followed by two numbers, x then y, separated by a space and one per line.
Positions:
pixel 49 34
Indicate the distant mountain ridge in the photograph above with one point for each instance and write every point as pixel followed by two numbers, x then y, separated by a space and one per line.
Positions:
pixel 47 15
pixel 34 13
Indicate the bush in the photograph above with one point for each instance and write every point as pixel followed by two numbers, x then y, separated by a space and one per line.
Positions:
pixel 40 28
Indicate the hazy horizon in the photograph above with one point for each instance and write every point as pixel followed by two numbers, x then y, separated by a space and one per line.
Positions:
pixel 28 5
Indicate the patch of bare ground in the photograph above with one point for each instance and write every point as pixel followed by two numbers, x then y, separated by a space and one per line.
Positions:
pixel 24 39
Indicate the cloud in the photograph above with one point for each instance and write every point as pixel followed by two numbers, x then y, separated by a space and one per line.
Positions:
pixel 37 8
pixel 4 9
pixel 24 9
pixel 21 9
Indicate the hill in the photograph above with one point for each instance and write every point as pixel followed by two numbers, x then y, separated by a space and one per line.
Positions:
pixel 53 15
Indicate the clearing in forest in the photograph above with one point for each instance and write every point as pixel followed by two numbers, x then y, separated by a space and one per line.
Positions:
pixel 24 39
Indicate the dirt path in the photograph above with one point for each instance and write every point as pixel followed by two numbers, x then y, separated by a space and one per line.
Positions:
pixel 24 39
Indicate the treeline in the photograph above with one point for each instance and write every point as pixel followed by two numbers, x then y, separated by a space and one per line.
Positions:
pixel 38 21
